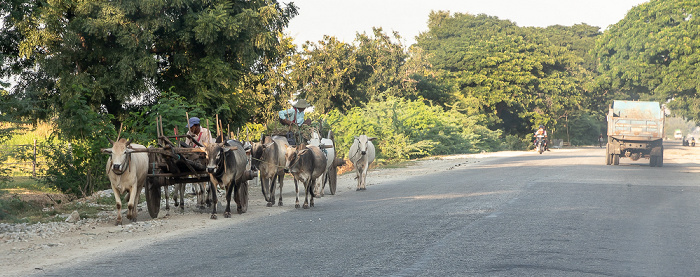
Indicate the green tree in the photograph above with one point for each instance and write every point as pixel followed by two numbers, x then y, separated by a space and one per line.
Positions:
pixel 325 73
pixel 337 75
pixel 120 55
pixel 514 77
pixel 173 109
pixel 75 164
pixel 652 54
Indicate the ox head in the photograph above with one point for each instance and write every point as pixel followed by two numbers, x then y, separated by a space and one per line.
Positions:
pixel 216 154
pixel 120 153
pixel 257 150
pixel 291 155
pixel 362 143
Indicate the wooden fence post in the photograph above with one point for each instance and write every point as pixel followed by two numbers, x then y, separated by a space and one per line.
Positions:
pixel 34 161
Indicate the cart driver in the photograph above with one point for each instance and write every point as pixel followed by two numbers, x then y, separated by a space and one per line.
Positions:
pixel 199 133
pixel 295 115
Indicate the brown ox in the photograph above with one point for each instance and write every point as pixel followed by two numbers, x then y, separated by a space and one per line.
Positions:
pixel 127 173
pixel 306 164
pixel 268 156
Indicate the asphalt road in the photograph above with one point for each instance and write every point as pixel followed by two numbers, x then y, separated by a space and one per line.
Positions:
pixel 562 213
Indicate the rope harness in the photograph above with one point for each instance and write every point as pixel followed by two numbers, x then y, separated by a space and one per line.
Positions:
pixel 356 152
pixel 126 164
pixel 266 162
pixel 298 157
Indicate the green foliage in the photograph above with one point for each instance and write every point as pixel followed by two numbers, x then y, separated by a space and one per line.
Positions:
pixel 11 206
pixel 515 77
pixel 335 75
pixel 27 183
pixel 407 129
pixel 653 54
pixel 114 53
pixel 141 126
pixel 75 164
pixel 583 129
pixel 516 143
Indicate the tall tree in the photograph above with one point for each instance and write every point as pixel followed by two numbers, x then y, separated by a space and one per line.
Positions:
pixel 652 54
pixel 338 75
pixel 326 74
pixel 515 77
pixel 120 55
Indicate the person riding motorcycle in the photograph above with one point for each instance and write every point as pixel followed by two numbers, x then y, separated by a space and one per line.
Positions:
pixel 543 132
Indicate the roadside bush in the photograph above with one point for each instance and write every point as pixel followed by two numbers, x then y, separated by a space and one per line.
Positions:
pixel 408 129
pixel 516 143
pixel 75 164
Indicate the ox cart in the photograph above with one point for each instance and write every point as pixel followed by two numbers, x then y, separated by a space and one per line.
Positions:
pixel 171 163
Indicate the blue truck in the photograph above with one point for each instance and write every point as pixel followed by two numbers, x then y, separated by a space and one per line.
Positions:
pixel 635 131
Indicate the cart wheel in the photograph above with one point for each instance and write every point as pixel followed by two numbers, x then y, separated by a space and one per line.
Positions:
pixel 153 199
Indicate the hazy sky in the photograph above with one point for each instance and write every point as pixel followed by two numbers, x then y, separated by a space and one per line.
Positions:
pixel 343 19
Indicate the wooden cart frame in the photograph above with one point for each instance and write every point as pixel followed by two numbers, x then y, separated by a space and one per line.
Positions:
pixel 169 164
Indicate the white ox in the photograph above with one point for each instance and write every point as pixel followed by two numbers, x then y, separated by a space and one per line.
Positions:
pixel 326 146
pixel 361 155
pixel 127 173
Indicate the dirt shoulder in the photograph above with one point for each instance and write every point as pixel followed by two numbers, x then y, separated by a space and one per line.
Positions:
pixel 68 243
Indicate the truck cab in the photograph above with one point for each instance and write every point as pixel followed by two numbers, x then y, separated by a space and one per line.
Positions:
pixel 678 135
pixel 635 130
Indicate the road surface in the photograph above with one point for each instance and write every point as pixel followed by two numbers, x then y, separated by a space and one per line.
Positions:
pixel 561 213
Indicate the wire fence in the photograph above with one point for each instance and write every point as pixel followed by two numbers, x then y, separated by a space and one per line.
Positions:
pixel 22 160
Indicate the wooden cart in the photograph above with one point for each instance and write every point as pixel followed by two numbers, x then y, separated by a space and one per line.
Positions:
pixel 172 163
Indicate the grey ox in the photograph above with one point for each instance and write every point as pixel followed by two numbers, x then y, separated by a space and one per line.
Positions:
pixel 227 169
pixel 268 156
pixel 127 173
pixel 306 164
pixel 362 155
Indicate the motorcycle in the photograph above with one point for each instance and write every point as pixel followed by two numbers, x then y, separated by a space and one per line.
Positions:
pixel 539 144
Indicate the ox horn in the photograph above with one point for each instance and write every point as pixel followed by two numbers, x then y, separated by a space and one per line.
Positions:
pixel 110 140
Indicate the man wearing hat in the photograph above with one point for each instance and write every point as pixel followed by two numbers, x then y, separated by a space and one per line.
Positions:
pixel 295 115
pixel 201 134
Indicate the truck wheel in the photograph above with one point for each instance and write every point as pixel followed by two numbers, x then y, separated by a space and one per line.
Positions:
pixel 616 159
pixel 660 159
pixel 652 161
pixel 608 157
